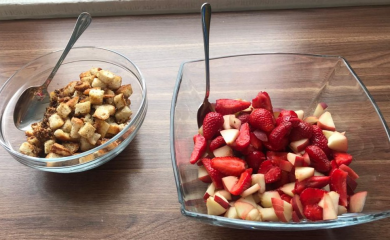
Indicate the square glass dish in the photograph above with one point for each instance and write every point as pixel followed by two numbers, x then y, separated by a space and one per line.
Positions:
pixel 293 81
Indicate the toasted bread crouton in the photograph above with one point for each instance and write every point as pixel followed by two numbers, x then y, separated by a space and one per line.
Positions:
pixel 28 149
pixel 67 127
pixel 71 146
pixel 92 140
pixel 29 132
pixel 87 130
pixel 96 96
pixel 55 121
pixel 127 90
pixel 128 102
pixel 34 141
pixel 88 119
pixel 94 71
pixel 106 76
pixel 101 127
pixel 103 112
pixel 110 146
pixel 109 96
pixel 47 146
pixel 85 145
pixel 115 83
pixel 77 123
pixel 87 158
pixel 61 135
pixel 69 89
pixel 123 115
pixel 113 130
pixel 98 83
pixel 63 110
pixel 85 74
pixel 52 155
pixel 53 96
pixel 72 102
pixel 88 79
pixel 82 86
pixel 60 150
pixel 119 101
pixel 83 108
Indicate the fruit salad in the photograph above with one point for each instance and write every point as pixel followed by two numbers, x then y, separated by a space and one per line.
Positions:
pixel 266 164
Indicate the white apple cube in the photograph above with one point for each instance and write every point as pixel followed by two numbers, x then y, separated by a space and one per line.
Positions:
pixel 226 121
pixel 300 114
pixel 259 179
pixel 268 214
pixel 224 151
pixel 357 201
pixel 231 213
pixel 325 122
pixel 312 120
pixel 302 173
pixel 229 182
pixel 329 210
pixel 282 209
pixel 214 208
pixel 320 109
pixel 265 198
pixel 253 215
pixel 230 135
pixel 288 188
pixel 221 200
pixel 338 142
pixel 297 206
pixel 234 122
pixel 341 210
pixel 203 175
pixel 300 145
pixel 327 133
pixel 251 190
pixel 209 192
pixel 224 194
pixel 242 209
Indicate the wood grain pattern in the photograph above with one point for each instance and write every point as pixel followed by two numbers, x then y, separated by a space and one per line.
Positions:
pixel 134 195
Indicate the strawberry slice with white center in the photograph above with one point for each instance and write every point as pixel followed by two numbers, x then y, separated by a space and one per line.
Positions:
pixel 230 166
pixel 230 106
pixel 338 183
pixel 243 183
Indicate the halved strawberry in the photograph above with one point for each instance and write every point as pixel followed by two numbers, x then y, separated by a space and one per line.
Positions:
pixel 302 131
pixel 312 182
pixel 271 155
pixel 351 186
pixel 230 106
pixel 311 196
pixel 216 176
pixel 217 143
pixel 351 173
pixel 211 124
pixel 293 120
pixel 200 146
pixel 342 158
pixel 278 134
pixel 255 142
pixel 262 100
pixel 333 166
pixel 318 139
pixel 313 212
pixel 265 166
pixel 243 117
pixel 254 159
pixel 288 113
pixel 243 183
pixel 338 183
pixel 243 140
pixel 262 119
pixel 230 166
pixel 272 175
pixel 318 159
pixel 282 146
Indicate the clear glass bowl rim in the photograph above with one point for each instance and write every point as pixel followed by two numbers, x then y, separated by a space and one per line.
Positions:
pixel 345 220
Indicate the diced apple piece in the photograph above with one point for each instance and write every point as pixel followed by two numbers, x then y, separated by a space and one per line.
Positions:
pixel 306 158
pixel 221 200
pixel 341 210
pixel 200 130
pixel 338 142
pixel 282 209
pixel 295 159
pixel 297 206
pixel 288 188
pixel 230 135
pixel 327 133
pixel 253 215
pixel 318 174
pixel 226 121
pixel 320 109
pixel 256 197
pixel 268 214
pixel 325 122
pixel 357 201
pixel 248 199
pixel 300 114
pixel 229 182
pixel 329 210
pixel 351 173
pixel 234 122
pixel 302 173
pixel 265 198
pixel 335 198
pixel 285 165
pixel 251 190
pixel 224 151
pixel 203 175
pixel 243 208
pixel 224 193
pixel 259 179
pixel 231 213
pixel 209 192
pixel 311 120
pixel 214 208
pixel 300 145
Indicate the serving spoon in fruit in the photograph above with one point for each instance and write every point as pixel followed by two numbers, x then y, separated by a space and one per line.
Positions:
pixel 32 104
pixel 206 106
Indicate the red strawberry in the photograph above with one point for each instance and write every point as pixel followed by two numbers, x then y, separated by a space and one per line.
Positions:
pixel 243 183
pixel 262 100
pixel 254 160
pixel 255 142
pixel 318 139
pixel 312 182
pixel 351 186
pixel 311 196
pixel 243 117
pixel 342 158
pixel 230 106
pixel 333 166
pixel 211 124
pixel 243 140
pixel 351 173
pixel 265 166
pixel 288 113
pixel 318 159
pixel 273 175
pixel 313 212
pixel 262 119
pixel 247 150
pixel 276 155
pixel 217 143
pixel 288 118
pixel 277 136
pixel 199 148
pixel 286 197
pixel 303 130
pixel 284 179
pixel 268 146
pixel 338 183
pixel 230 166
pixel 216 176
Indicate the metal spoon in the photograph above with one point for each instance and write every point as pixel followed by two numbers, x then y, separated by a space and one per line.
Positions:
pixel 206 106
pixel 32 104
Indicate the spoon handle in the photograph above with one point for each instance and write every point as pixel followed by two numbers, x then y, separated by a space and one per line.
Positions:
pixel 206 18
pixel 82 24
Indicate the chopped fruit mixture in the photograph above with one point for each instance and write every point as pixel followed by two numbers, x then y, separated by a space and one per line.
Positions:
pixel 81 116
pixel 268 165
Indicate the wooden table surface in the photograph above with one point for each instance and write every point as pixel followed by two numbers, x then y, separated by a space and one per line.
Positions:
pixel 134 195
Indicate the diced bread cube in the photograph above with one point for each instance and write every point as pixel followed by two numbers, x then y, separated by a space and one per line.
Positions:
pixel 94 71
pixel 69 89
pixel 34 141
pixel 82 86
pixel 60 150
pixel 128 102
pixel 110 146
pixel 61 135
pixel 88 79
pixel 127 90
pixel 123 115
pixel 55 121
pixel 72 147
pixel 115 83
pixel 101 127
pixel 47 146
pixel 98 83
pixel 87 130
pixel 85 74
pixel 88 119
pixel 103 112
pixel 87 158
pixel 92 140
pixel 29 132
pixel 53 96
pixel 63 110
pixel 119 101
pixel 96 96
pixel 106 76
pixel 77 123
pixel 83 108
pixel 67 127
pixel 52 155
pixel 28 149
pixel 113 130
pixel 85 145
pixel 109 96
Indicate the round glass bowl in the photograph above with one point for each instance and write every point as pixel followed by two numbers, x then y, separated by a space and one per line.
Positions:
pixel 79 60
pixel 293 81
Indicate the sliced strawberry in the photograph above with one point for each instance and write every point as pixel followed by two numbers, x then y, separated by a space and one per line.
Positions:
pixel 217 143
pixel 312 182
pixel 216 176
pixel 276 155
pixel 288 118
pixel 333 166
pixel 288 113
pixel 200 146
pixel 295 217
pixel 313 212
pixel 351 173
pixel 243 140
pixel 265 166
pixel 247 150
pixel 318 159
pixel 278 134
pixel 230 106
pixel 230 166
pixel 338 183
pixel 311 196
pixel 302 131
pixel 262 119
pixel 262 100
pixel 243 117
pixel 262 136
pixel 284 179
pixel 286 197
pixel 211 124
pixel 318 139
pixel 282 146
pixel 254 160
pixel 351 186
pixel 243 183
pixel 273 175
pixel 255 142
pixel 342 158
